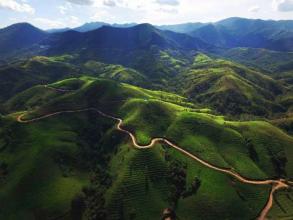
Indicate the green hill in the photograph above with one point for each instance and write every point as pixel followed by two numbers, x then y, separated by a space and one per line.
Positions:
pixel 91 169
pixel 21 75
pixel 229 87
pixel 268 60
pixel 116 72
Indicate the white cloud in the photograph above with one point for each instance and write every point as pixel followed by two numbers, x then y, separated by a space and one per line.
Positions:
pixel 110 3
pixel 81 2
pixel 283 5
pixel 16 6
pixel 168 2
pixel 63 9
pixel 254 9
pixel 168 10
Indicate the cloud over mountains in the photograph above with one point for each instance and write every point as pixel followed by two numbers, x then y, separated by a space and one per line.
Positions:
pixel 16 6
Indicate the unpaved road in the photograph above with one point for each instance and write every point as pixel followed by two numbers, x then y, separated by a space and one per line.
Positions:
pixel 276 184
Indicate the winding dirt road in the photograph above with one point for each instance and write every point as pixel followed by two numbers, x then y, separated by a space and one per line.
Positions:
pixel 276 184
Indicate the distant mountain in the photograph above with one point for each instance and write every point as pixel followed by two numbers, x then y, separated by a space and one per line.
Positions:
pixel 18 37
pixel 90 26
pixel 241 32
pixel 58 30
pixel 126 25
pixel 181 28
pixel 142 36
pixel 23 38
pixel 140 47
pixel 228 33
pixel 96 25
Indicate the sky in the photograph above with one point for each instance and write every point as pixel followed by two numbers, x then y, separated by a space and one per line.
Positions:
pixel 48 14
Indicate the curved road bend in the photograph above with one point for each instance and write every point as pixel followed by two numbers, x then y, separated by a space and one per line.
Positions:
pixel 276 184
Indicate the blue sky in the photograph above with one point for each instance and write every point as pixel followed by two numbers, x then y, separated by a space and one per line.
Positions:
pixel 48 14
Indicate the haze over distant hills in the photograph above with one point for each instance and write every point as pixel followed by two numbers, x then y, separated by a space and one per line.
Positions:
pixel 228 33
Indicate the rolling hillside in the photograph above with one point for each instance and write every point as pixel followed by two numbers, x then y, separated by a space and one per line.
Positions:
pixel 226 86
pixel 86 171
pixel 229 87
pixel 272 62
pixel 20 75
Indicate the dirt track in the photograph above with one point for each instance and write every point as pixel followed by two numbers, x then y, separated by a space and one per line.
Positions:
pixel 276 184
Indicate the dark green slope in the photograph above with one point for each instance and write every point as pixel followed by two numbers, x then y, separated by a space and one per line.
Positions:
pixel 20 75
pixel 272 62
pixel 90 163
pixel 48 165
pixel 229 87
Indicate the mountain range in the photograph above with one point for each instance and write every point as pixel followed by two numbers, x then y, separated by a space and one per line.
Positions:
pixel 229 33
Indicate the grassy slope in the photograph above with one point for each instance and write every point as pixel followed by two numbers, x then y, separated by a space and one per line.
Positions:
pixel 115 72
pixel 285 123
pixel 146 114
pixel 19 76
pixel 36 185
pixel 226 86
pixel 283 207
pixel 212 138
pixel 139 177
pixel 229 87
pixel 270 61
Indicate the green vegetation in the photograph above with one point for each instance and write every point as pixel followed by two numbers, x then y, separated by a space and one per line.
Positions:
pixel 282 208
pixel 92 167
pixel 115 72
pixel 225 86
pixel 229 87
pixel 268 60
pixel 69 161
